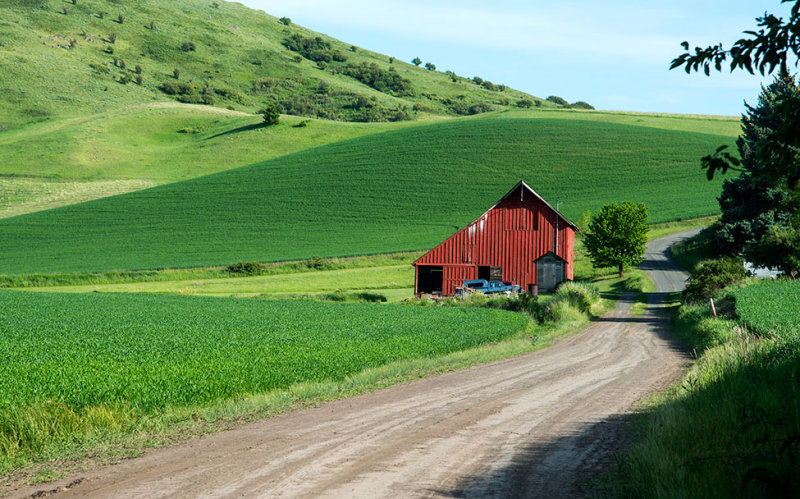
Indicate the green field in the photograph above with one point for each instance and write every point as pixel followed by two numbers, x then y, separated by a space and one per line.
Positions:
pixel 770 307
pixel 400 190
pixel 150 352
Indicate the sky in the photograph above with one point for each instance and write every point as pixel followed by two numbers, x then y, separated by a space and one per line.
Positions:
pixel 614 55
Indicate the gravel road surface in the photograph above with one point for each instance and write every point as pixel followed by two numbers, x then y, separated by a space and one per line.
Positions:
pixel 538 425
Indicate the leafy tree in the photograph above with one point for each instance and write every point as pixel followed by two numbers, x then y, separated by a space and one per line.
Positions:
pixel 527 103
pixel 779 248
pixel 763 50
pixel 416 61
pixel 581 105
pixel 478 80
pixel 558 100
pixel 776 154
pixel 270 114
pixel 188 47
pixel 315 49
pixel 285 21
pixel 617 235
pixel 430 66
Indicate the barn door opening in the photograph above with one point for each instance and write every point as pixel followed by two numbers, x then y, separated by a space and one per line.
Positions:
pixel 430 279
pixel 490 273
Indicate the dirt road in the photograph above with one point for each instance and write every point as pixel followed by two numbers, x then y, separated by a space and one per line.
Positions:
pixel 538 425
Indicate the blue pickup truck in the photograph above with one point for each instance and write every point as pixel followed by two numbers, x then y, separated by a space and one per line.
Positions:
pixel 489 287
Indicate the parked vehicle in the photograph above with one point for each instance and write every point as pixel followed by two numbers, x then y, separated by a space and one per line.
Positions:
pixel 487 287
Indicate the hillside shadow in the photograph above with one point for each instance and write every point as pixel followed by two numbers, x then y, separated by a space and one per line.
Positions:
pixel 565 467
pixel 245 128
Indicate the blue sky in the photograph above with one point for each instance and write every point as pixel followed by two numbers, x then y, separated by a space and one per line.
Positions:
pixel 614 55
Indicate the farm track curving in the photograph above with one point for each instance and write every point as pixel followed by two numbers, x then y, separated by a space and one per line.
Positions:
pixel 538 425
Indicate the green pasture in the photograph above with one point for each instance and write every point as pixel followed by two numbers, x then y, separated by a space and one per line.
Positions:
pixel 399 190
pixel 397 280
pixel 160 143
pixel 58 60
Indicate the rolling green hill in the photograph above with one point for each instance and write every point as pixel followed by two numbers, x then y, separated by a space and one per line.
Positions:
pixel 400 190
pixel 61 59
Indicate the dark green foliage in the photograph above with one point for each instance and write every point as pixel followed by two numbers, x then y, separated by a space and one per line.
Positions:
pixel 108 49
pixel 353 48
pixel 779 248
pixel 176 73
pixel 713 276
pixel 749 209
pixel 430 66
pixel 538 103
pixel 313 48
pixel 301 124
pixel 188 46
pixel 770 46
pixel 617 235
pixel 581 105
pixel 230 94
pixel 490 86
pixel 246 268
pixel 137 69
pixel 313 202
pixel 524 103
pixel 754 202
pixel 178 88
pixel 416 61
pixel 125 78
pixel 285 21
pixel 111 38
pixel 380 79
pixel 391 60
pixel 100 68
pixel 101 15
pixel 270 114
pixel 558 100
pixel 120 19
pixel 478 80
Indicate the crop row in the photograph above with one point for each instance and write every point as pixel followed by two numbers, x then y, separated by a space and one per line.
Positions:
pixel 153 351
pixel 770 307
pixel 400 190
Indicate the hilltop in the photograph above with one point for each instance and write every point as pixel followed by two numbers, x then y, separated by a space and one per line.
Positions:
pixel 63 59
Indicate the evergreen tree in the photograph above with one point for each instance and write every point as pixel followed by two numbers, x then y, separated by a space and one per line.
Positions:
pixel 750 203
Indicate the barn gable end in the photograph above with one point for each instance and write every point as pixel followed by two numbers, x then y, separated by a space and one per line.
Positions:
pixel 506 241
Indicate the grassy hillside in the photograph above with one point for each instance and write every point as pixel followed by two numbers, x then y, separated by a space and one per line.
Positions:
pixel 399 190
pixel 70 160
pixel 61 59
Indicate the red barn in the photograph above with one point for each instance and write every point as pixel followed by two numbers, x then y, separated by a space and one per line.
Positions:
pixel 521 239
